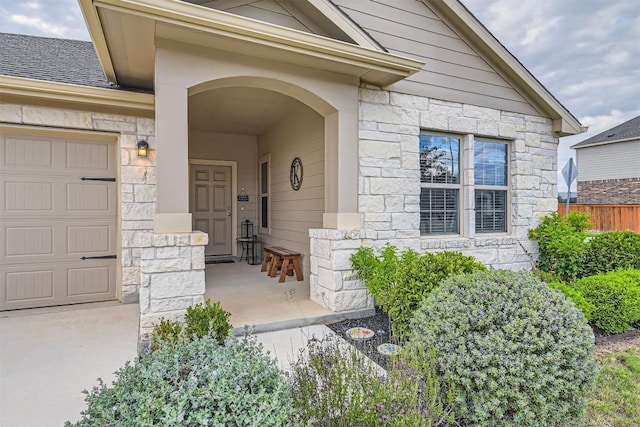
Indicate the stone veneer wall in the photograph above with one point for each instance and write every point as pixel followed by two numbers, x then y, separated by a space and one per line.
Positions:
pixel 332 283
pixel 137 178
pixel 389 189
pixel 612 191
pixel 171 277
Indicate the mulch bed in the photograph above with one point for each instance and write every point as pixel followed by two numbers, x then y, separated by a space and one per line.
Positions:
pixel 379 323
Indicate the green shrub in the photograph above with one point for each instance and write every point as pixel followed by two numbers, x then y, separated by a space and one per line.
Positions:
pixel 616 298
pixel 193 383
pixel 514 352
pixel 200 320
pixel 613 250
pixel 575 296
pixel 333 385
pixel 166 332
pixel 206 319
pixel 400 283
pixel 417 276
pixel 378 274
pixel 562 244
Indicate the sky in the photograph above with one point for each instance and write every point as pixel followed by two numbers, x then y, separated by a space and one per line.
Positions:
pixel 585 52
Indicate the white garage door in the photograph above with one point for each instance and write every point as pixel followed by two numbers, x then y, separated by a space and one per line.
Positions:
pixel 57 220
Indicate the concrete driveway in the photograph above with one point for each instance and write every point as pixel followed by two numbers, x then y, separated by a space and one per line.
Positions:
pixel 47 359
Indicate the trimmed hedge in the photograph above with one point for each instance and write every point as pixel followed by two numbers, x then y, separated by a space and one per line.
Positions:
pixel 575 296
pixel 514 352
pixel 610 251
pixel 616 298
pixel 562 244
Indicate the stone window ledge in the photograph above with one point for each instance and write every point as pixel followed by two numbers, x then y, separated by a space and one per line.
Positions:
pixel 496 240
pixel 445 242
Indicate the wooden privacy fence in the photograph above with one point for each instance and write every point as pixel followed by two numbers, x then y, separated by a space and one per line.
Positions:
pixel 608 217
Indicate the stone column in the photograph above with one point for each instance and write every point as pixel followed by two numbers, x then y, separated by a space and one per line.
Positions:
pixel 171 277
pixel 332 282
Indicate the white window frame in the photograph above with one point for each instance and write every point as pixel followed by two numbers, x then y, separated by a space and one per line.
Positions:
pixel 459 186
pixel 505 188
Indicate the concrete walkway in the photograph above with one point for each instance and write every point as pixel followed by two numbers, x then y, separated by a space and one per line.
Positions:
pixel 47 359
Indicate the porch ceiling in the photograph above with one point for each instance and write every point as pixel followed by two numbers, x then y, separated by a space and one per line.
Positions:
pixel 239 110
pixel 124 33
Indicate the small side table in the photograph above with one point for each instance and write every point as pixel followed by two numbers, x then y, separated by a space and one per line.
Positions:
pixel 251 249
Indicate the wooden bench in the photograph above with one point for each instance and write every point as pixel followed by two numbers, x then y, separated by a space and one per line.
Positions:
pixel 277 258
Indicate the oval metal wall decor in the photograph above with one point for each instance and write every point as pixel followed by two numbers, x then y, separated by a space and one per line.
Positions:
pixel 295 174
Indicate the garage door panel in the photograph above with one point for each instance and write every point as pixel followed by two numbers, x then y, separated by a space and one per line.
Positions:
pixel 56 156
pixel 50 218
pixel 88 197
pixel 44 284
pixel 29 241
pixel 21 241
pixel 59 196
pixel 89 280
pixel 28 196
pixel 90 156
pixel 26 152
pixel 92 239
pixel 26 286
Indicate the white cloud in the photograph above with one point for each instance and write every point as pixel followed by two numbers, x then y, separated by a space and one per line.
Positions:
pixel 48 18
pixel 31 5
pixel 586 52
pixel 46 28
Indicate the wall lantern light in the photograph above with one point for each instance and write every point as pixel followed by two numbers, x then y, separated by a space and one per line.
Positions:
pixel 143 147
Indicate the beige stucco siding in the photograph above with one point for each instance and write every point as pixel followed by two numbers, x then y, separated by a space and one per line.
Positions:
pixel 241 149
pixel 453 71
pixel 609 161
pixel 293 213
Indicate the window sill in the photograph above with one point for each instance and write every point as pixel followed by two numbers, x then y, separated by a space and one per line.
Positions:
pixel 459 242
pixel 445 242
pixel 495 239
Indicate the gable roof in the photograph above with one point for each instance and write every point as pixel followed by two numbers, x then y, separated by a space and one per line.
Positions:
pixel 467 25
pixel 49 59
pixel 112 22
pixel 623 132
pixel 321 17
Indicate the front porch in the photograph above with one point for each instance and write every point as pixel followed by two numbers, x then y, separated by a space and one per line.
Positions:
pixel 264 304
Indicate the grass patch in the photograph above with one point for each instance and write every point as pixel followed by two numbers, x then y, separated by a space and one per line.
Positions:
pixel 615 399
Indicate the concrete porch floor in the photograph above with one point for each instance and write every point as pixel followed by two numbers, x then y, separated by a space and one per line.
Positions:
pixel 261 302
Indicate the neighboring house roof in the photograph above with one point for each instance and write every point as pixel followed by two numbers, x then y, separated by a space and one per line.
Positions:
pixel 623 132
pixel 49 59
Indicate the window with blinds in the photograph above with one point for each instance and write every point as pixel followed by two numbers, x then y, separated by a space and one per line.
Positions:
pixel 491 185
pixel 440 184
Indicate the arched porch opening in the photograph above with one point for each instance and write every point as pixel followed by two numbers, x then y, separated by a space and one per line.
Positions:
pixel 244 134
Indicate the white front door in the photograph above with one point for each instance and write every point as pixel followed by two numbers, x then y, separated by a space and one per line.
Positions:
pixel 210 200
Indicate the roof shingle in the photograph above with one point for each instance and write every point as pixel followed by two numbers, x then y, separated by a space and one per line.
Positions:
pixel 55 60
pixel 626 130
